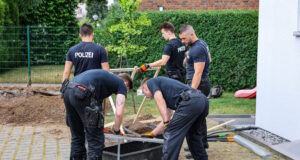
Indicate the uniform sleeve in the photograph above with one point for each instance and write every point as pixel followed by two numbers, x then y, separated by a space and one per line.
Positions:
pixel 103 55
pixel 198 54
pixel 122 89
pixel 153 86
pixel 168 50
pixel 69 56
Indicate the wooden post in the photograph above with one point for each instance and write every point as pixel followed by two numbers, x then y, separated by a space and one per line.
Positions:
pixel 132 95
pixel 220 125
pixel 142 104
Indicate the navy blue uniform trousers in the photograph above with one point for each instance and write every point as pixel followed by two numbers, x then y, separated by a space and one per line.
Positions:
pixel 204 87
pixel 187 121
pixel 75 109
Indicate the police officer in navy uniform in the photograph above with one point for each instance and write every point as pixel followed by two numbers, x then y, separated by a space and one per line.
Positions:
pixel 86 54
pixel 173 55
pixel 83 97
pixel 191 109
pixel 198 60
pixel 197 65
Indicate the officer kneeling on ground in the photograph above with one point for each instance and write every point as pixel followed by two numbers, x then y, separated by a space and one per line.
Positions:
pixel 83 97
pixel 191 109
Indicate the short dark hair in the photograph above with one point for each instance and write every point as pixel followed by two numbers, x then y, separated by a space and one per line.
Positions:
pixel 144 81
pixel 185 27
pixel 167 26
pixel 127 78
pixel 86 29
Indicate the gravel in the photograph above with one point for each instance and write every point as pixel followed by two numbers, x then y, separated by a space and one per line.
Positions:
pixel 266 136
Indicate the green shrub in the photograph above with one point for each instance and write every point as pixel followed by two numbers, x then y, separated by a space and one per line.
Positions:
pixel 53 29
pixel 96 7
pixel 2 12
pixel 231 36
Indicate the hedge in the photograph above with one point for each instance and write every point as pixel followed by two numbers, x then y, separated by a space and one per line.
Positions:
pixel 48 44
pixel 231 36
pixel 2 12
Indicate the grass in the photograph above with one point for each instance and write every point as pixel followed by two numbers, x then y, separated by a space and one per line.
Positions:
pixel 149 108
pixel 227 104
pixel 39 74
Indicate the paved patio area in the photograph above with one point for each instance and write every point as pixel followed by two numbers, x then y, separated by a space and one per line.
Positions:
pixel 51 142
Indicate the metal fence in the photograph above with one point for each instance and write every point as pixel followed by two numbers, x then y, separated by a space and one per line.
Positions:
pixel 34 54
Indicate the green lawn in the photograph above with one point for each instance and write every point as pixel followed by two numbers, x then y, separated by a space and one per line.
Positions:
pixel 226 104
pixel 39 74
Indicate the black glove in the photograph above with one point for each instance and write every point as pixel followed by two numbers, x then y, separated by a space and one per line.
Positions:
pixel 166 125
pixel 147 65
pixel 116 132
pixel 64 86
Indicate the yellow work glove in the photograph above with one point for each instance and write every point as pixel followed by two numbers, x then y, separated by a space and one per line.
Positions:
pixel 148 134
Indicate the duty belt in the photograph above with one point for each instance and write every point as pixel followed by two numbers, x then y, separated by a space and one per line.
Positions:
pixel 203 80
pixel 187 95
pixel 90 90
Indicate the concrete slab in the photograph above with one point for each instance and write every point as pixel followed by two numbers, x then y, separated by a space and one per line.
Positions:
pixel 245 120
pixel 290 149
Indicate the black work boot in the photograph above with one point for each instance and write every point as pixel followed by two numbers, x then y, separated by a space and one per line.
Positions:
pixel 186 148
pixel 95 158
pixel 78 157
pixel 205 145
pixel 189 156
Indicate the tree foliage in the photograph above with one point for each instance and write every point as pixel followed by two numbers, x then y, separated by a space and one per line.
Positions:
pixel 131 24
pixel 51 13
pixel 96 7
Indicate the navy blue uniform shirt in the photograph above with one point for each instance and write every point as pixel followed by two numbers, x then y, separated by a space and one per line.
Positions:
pixel 198 53
pixel 105 83
pixel 169 88
pixel 85 56
pixel 175 49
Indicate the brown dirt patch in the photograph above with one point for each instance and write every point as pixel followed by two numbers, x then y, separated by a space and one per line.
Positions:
pixel 58 131
pixel 31 106
pixel 21 106
pixel 139 127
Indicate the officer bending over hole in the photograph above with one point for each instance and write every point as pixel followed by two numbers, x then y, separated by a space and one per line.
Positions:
pixel 83 97
pixel 191 108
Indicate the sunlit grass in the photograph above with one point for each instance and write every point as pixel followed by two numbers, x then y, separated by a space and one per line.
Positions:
pixel 227 104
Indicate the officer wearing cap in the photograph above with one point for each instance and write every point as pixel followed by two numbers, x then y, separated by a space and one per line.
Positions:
pixel 83 97
pixel 191 109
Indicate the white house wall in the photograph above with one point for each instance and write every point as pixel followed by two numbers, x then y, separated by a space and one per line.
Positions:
pixel 278 72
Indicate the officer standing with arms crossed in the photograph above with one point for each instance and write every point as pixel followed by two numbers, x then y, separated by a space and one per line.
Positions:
pixel 191 109
pixel 173 55
pixel 83 97
pixel 86 54
pixel 197 66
